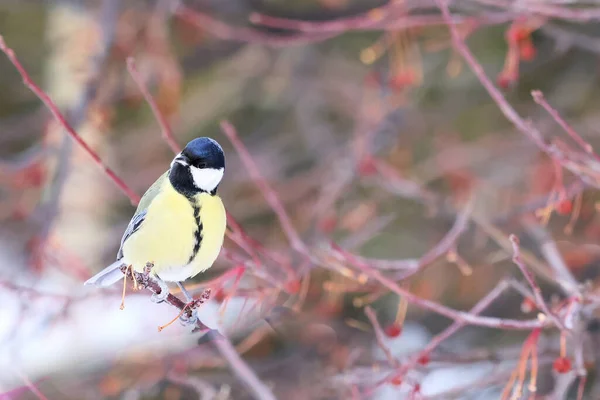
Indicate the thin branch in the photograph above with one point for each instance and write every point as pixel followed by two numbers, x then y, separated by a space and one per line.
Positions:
pixel 555 260
pixel 539 98
pixel 166 131
pixel 133 197
pixel 380 337
pixel 461 316
pixel 456 325
pixel 391 16
pixel 266 190
pixel 224 31
pixel 537 292
pixel 242 370
pixel 441 248
pixel 34 389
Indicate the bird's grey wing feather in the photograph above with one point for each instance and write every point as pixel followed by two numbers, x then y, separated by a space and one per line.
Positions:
pixel 140 213
pixel 134 225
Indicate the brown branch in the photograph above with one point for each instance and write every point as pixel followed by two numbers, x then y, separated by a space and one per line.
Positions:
pixel 460 316
pixel 539 98
pixel 166 131
pixel 441 248
pixel 223 31
pixel 143 280
pixel 242 370
pixel 266 190
pixel 380 337
pixel 388 17
pixel 537 292
pixel 133 197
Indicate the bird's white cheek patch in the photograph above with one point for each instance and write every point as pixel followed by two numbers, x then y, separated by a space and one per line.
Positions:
pixel 206 179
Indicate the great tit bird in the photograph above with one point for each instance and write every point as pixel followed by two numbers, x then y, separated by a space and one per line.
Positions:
pixel 179 224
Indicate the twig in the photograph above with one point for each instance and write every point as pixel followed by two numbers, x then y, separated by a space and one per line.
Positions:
pixel 388 17
pixel 133 197
pixel 457 325
pixel 144 281
pixel 539 98
pixel 548 248
pixel 577 164
pixel 537 292
pixel 31 386
pixel 166 131
pixel 380 337
pixel 241 34
pixel 442 247
pixel 242 370
pixel 266 190
pixel 461 316
pixel 504 106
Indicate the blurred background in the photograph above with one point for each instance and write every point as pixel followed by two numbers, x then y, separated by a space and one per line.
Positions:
pixel 373 133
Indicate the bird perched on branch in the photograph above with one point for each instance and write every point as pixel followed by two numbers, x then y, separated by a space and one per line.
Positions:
pixel 179 224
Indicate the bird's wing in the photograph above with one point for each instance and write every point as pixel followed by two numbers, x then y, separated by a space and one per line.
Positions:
pixel 151 193
pixel 133 226
pixel 140 213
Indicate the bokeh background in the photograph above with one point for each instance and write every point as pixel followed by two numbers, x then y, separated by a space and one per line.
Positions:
pixel 373 133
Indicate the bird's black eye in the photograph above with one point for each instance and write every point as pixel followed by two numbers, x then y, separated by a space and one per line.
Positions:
pixel 201 165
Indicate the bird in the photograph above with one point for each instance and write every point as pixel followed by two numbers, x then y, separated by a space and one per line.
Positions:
pixel 179 224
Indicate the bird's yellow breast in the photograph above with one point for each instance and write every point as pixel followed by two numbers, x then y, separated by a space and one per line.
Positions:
pixel 167 235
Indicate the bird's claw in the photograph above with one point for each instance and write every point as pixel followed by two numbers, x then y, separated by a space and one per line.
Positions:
pixel 164 292
pixel 191 320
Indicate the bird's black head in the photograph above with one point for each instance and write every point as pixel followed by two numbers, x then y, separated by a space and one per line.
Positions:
pixel 198 168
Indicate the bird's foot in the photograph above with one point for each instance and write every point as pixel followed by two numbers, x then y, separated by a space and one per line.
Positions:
pixel 190 312
pixel 187 319
pixel 164 292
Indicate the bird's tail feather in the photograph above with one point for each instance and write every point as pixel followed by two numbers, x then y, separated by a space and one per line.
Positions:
pixel 108 275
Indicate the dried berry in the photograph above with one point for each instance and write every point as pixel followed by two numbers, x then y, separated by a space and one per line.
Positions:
pixel 562 365
pixel 393 330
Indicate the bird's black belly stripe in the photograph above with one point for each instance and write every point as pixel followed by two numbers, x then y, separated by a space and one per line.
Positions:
pixel 198 231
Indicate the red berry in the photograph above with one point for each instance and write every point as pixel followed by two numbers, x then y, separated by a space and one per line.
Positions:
pixel 505 80
pixel 219 295
pixel 564 207
pixel 517 34
pixel 527 51
pixel 393 330
pixel 424 359
pixel 396 380
pixel 402 80
pixel 292 287
pixel 562 365
pixel 528 305
pixel 327 224
pixel 366 167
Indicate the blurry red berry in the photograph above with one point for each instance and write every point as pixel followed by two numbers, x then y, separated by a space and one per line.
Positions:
pixel 402 79
pixel 292 287
pixel 396 380
pixel 424 359
pixel 327 224
pixel 393 330
pixel 506 80
pixel 366 167
pixel 517 34
pixel 219 295
pixel 564 207
pixel 528 305
pixel 527 51
pixel 562 365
